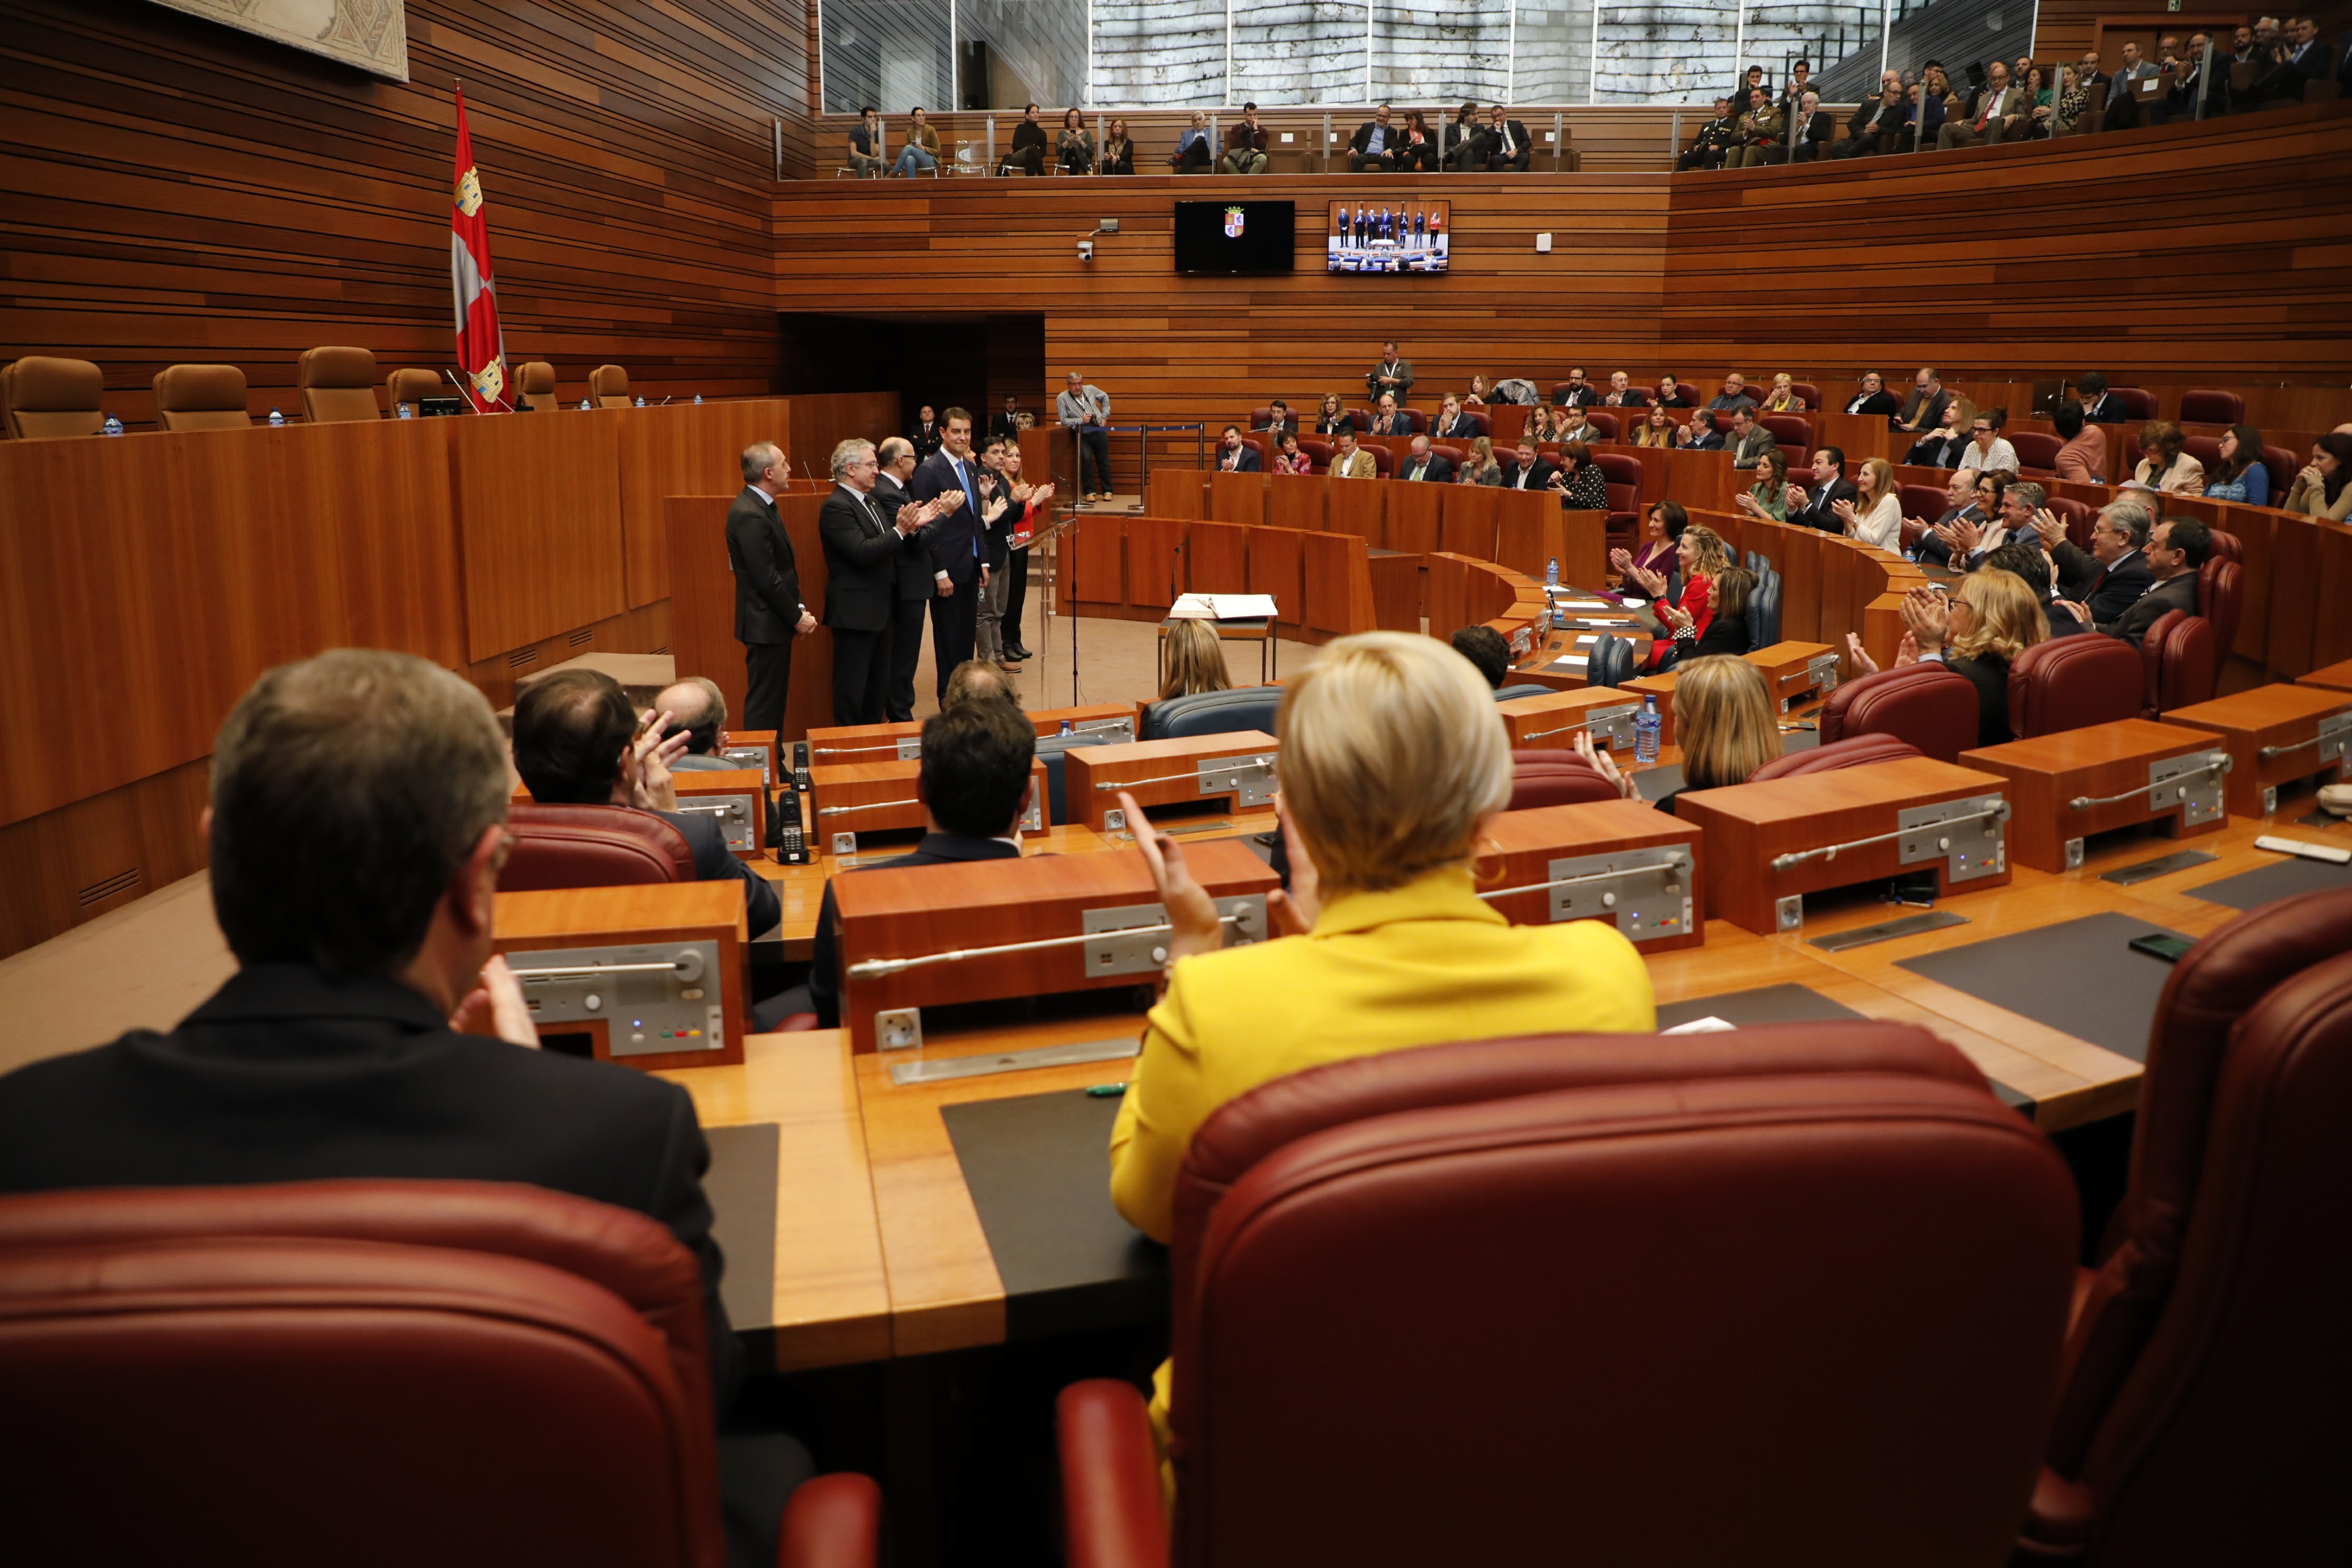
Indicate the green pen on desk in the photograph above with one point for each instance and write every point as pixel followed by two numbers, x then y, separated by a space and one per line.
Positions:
pixel 1105 1091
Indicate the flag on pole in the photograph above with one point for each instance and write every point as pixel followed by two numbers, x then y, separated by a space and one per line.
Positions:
pixel 481 348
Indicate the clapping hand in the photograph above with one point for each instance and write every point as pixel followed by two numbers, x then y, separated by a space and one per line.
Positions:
pixel 651 789
pixel 1860 655
pixel 1605 764
pixel 496 1007
pixel 1040 496
pixel 1796 497
pixel 1962 539
pixel 1675 617
pixel 1621 561
pixel 1193 917
pixel 1649 580
pixel 1927 616
pixel 1844 510
pixel 2048 524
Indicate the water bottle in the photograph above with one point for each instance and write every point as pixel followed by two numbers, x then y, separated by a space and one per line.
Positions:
pixel 641 400
pixel 1552 572
pixel 277 419
pixel 1065 727
pixel 1646 726
pixel 584 405
pixel 698 399
pixel 112 427
pixel 403 411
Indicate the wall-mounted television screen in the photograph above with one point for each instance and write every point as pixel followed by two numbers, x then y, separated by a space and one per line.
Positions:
pixel 1389 236
pixel 1229 238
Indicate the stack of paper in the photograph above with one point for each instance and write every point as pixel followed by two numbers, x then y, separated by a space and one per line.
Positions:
pixel 1224 607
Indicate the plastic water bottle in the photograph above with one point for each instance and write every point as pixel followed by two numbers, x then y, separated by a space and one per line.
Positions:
pixel 112 427
pixel 698 399
pixel 403 411
pixel 1065 727
pixel 584 406
pixel 1552 572
pixel 277 419
pixel 641 400
pixel 1646 726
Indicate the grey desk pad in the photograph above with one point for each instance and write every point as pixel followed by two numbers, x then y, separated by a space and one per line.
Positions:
pixel 742 1187
pixel 2268 884
pixel 2079 976
pixel 1790 1004
pixel 1038 1169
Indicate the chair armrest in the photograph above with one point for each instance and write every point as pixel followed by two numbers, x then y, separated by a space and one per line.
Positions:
pixel 831 1521
pixel 1110 1479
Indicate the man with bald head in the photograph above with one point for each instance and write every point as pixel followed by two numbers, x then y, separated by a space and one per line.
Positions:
pixel 697 709
pixel 768 613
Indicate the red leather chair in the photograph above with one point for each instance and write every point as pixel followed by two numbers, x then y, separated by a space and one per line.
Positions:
pixel 1452 452
pixel 2206 1377
pixel 1921 504
pixel 2139 403
pixel 1519 1247
pixel 2176 654
pixel 1265 449
pixel 1383 460
pixel 1811 391
pixel 1794 433
pixel 2206 405
pixel 2206 449
pixel 1606 422
pixel 368 1373
pixel 1829 756
pixel 592 846
pixel 1319 447
pixel 1361 418
pixel 1260 416
pixel 1621 473
pixel 1928 705
pixel 2078 515
pixel 2037 452
pixel 2069 683
pixel 2221 586
pixel 2228 547
pixel 2282 465
pixel 1541 777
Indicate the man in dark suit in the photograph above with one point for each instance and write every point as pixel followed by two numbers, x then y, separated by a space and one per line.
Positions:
pixel 1504 144
pixel 975 784
pixel 1623 393
pixel 2100 406
pixel 1235 455
pixel 768 609
pixel 1581 393
pixel 2176 547
pixel 916 586
pixel 1874 397
pixel 1699 434
pixel 2024 557
pixel 1424 464
pixel 861 563
pixel 1280 421
pixel 959 555
pixel 2111 576
pixel 1924 409
pixel 1375 144
pixel 1452 423
pixel 1525 471
pixel 2296 59
pixel 356 827
pixel 925 432
pixel 1750 441
pixel 577 742
pixel 1006 424
pixel 1814 505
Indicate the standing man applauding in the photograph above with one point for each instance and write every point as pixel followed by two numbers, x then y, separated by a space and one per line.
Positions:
pixel 958 565
pixel 861 563
pixel 768 609
pixel 916 587
pixel 1084 410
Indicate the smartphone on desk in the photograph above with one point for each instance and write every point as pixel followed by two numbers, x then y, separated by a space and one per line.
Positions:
pixel 2171 949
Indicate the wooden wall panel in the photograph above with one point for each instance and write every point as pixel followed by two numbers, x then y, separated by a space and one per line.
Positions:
pixel 538 520
pixel 178 190
pixel 682 450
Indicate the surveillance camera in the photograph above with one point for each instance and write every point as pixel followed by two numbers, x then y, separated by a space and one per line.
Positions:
pixel 1086 250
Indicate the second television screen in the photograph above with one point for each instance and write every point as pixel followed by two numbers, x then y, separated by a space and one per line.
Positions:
pixel 1389 236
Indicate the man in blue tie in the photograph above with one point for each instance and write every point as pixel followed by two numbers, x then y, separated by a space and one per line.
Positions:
pixel 959 558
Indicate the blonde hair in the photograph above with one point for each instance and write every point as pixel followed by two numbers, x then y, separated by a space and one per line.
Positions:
pixel 2008 617
pixel 1196 661
pixel 1392 753
pixel 1714 555
pixel 1877 480
pixel 1724 719
pixel 1482 451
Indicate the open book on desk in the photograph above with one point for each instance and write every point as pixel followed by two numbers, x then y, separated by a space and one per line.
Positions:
pixel 1224 607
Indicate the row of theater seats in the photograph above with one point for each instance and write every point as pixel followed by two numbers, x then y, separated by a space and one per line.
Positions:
pixel 42 397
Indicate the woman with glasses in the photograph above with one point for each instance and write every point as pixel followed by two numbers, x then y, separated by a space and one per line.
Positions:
pixel 1980 629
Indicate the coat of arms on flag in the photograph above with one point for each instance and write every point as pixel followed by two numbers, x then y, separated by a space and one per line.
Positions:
pixel 481 346
pixel 1233 223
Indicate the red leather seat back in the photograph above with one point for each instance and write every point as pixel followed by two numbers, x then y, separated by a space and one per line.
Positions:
pixel 1361 418
pixel 1260 416
pixel 1319 447
pixel 1555 778
pixel 1264 447
pixel 2177 656
pixel 2138 402
pixel 1383 460
pixel 2228 547
pixel 1606 422
pixel 1855 751
pixel 2283 465
pixel 592 846
pixel 2078 516
pixel 2210 1379
pixel 1810 392
pixel 1522 1244
pixel 2206 449
pixel 2206 405
pixel 2069 683
pixel 1921 504
pixel 1452 452
pixel 2037 450
pixel 2221 586
pixel 1623 472
pixel 1928 705
pixel 361 1372
pixel 1793 432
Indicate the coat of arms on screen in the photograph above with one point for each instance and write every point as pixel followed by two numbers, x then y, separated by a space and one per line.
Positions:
pixel 1233 223
pixel 369 33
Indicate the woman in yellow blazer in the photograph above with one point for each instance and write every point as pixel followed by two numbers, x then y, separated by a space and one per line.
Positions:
pixel 1394 759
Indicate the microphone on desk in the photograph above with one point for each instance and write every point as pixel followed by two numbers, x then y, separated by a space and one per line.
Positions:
pixel 665 403
pixel 451 377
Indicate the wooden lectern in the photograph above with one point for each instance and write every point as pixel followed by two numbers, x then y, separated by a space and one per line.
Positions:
pixel 1234 770
pixel 651 976
pixel 989 931
pixel 2275 735
pixel 1618 860
pixel 1769 844
pixel 2065 786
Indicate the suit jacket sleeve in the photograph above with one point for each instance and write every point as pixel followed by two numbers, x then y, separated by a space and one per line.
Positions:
pixel 680 1203
pixel 775 576
pixel 846 536
pixel 824 967
pixel 714 861
pixel 2123 588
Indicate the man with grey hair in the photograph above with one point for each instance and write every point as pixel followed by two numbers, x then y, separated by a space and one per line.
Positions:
pixel 2109 577
pixel 1084 410
pixel 768 609
pixel 697 710
pixel 862 551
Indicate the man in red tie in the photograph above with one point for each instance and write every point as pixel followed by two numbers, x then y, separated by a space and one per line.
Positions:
pixel 2001 111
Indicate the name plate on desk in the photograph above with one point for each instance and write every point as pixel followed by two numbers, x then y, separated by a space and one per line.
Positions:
pixel 737 801
pixel 1553 721
pixel 650 976
pixel 1237 769
pixel 2068 785
pixel 1617 860
pixel 1768 844
pixel 986 931
pixel 2274 735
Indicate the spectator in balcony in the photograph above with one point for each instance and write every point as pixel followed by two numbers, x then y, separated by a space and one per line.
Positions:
pixel 2087 72
pixel 1579 392
pixel 1874 517
pixel 1768 497
pixel 1572 424
pixel 2238 475
pixel 1924 409
pixel 1028 150
pixel 2163 465
pixel 1700 434
pixel 1942 446
pixel 1783 398
pixel 1937 101
pixel 1235 455
pixel 1988 449
pixel 1418 150
pixel 1480 467
pixel 1505 145
pixel 921 154
pixel 866 144
pixel 2073 103
pixel 1582 487
pixel 1669 392
pixel 1623 392
pixel 1527 471
pixel 1388 420
pixel 1192 148
pixel 1290 458
pixel 1074 148
pixel 1815 128
pixel 2319 489
pixel 1452 423
pixel 1374 145
pixel 1394 374
pixel 1461 136
pixel 1799 82
pixel 1424 464
pixel 2099 405
pixel 1874 397
pixel 2041 103
pixel 2294 61
pixel 1748 441
pixel 1750 80
pixel 1733 395
pixel 1761 125
pixel 2002 113
pixel 1350 461
pixel 1714 142
pixel 1119 149
pixel 2122 104
pixel 1876 125
pixel 1539 429
pixel 1246 145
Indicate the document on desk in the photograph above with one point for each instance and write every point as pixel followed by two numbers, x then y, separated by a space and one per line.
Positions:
pixel 1224 607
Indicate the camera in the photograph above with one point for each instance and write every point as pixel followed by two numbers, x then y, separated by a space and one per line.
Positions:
pixel 1086 250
